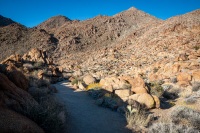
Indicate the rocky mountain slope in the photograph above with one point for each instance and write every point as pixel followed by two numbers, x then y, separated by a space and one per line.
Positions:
pixel 53 23
pixel 132 39
pixel 5 21
pixel 99 32
pixel 16 38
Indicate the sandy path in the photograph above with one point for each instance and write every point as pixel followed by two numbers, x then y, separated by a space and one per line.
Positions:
pixel 85 116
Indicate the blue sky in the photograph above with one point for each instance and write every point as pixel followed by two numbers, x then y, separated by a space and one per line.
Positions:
pixel 32 12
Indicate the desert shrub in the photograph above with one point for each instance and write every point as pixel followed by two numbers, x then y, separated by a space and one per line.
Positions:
pixel 35 73
pixel 93 86
pixel 174 80
pixel 29 66
pixel 34 82
pixel 156 89
pixel 196 47
pixel 42 82
pixel 38 64
pixel 191 99
pixel 196 86
pixel 155 69
pixel 40 93
pixel 105 99
pixel 75 81
pixel 186 115
pixel 137 116
pixel 49 114
pixel 171 93
pixel 96 93
pixel 107 102
pixel 170 128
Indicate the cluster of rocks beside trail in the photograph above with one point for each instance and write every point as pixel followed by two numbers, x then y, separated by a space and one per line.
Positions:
pixel 37 63
pixel 181 72
pixel 23 81
pixel 15 99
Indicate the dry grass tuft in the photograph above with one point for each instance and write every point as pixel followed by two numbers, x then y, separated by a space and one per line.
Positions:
pixel 93 86
pixel 137 117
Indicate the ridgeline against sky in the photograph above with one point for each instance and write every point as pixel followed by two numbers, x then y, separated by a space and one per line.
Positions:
pixel 31 13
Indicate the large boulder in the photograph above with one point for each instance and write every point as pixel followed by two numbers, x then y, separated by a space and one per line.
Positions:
pixel 157 101
pixel 88 79
pixel 123 93
pixel 34 54
pixel 11 67
pixel 196 76
pixel 184 78
pixel 12 122
pixel 2 68
pixel 18 79
pixel 137 84
pixel 114 83
pixel 13 97
pixel 144 98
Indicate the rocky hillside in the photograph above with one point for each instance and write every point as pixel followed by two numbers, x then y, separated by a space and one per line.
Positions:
pixel 5 21
pixel 139 49
pixel 53 23
pixel 132 39
pixel 16 38
pixel 99 32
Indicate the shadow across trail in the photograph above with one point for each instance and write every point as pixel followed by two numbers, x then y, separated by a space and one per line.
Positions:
pixel 84 116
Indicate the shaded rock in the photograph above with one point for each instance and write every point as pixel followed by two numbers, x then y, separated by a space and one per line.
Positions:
pixel 12 122
pixel 18 79
pixel 2 68
pixel 52 88
pixel 96 94
pixel 13 97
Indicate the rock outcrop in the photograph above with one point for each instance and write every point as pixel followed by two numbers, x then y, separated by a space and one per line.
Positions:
pixel 12 122
pixel 14 97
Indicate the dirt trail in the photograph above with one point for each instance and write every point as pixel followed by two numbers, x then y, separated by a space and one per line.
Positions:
pixel 85 116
